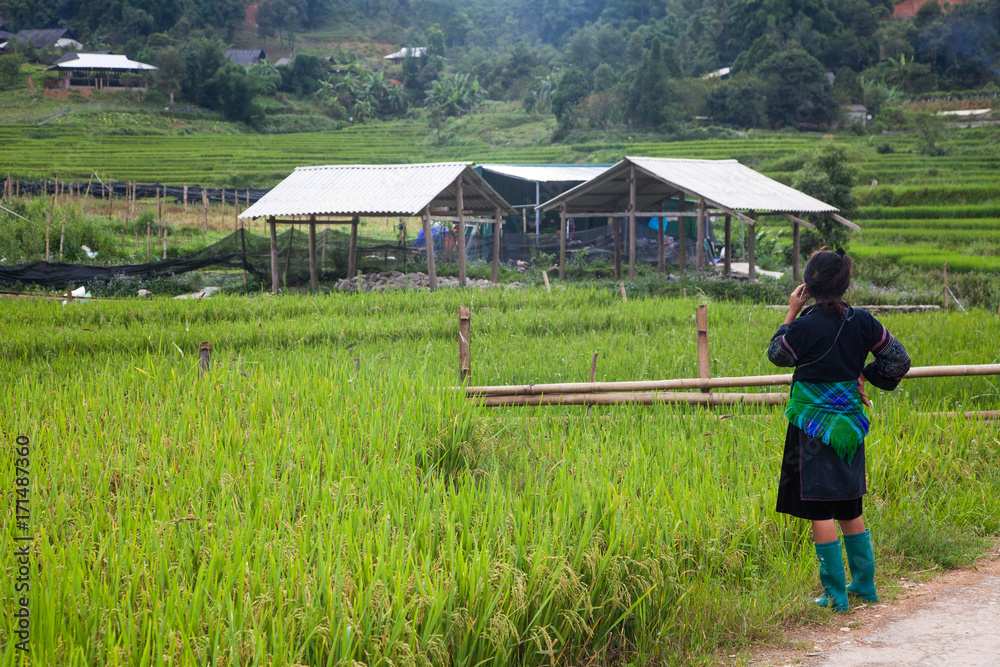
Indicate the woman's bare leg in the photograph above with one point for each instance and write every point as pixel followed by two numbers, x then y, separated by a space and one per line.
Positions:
pixel 853 526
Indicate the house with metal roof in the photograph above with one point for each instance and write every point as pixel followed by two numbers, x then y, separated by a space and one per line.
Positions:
pixel 245 57
pixel 643 187
pixel 398 57
pixel 100 71
pixel 52 38
pixel 342 194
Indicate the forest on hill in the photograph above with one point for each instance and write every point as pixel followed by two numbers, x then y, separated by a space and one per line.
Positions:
pixel 594 64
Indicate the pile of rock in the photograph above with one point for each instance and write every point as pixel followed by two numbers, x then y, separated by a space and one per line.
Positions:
pixel 398 280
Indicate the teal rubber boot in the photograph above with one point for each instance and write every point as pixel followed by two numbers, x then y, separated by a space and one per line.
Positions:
pixel 832 576
pixel 861 560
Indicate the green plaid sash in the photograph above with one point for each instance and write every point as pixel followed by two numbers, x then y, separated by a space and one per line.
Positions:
pixel 831 411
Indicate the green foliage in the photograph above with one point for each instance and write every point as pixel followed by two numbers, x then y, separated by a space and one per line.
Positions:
pixel 571 87
pixel 796 89
pixel 232 90
pixel 738 101
pixel 651 97
pixel 827 178
pixel 10 70
pixel 454 95
pixel 420 526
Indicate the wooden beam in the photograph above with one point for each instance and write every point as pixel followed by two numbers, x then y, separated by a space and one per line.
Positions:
pixel 639 398
pixel 460 206
pixel 583 189
pixel 727 261
pixel 617 234
pixel 562 243
pixel 844 221
pixel 313 272
pixel 274 255
pixel 682 234
pixel 752 249
pixel 702 225
pixel 661 246
pixel 797 220
pixel 429 247
pixel 497 230
pixel 631 224
pixel 352 252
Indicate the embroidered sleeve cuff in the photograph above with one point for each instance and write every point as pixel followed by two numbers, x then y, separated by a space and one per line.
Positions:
pixel 778 351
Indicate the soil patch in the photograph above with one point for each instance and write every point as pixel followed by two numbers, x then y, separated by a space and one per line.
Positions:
pixel 950 619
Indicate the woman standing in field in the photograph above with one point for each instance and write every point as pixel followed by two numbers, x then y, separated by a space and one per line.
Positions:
pixel 823 468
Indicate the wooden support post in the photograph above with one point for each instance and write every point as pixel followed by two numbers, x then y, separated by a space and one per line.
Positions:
pixel 464 335
pixel 357 365
pixel 661 245
pixel 545 277
pixel 497 231
pixel 204 206
pixel 460 205
pixel 62 237
pixel 795 251
pixel 204 358
pixel 944 290
pixel 163 230
pixel 727 261
pixel 752 247
pixel 222 213
pixel 55 192
pixel 524 219
pixel 48 224
pixel 704 366
pixel 699 254
pixel 631 224
pixel 562 242
pixel 593 374
pixel 622 287
pixel 288 255
pixel 429 248
pixel 326 233
pixel 313 273
pixel 682 250
pixel 185 199
pixel 148 223
pixel 352 252
pixel 617 235
pixel 274 254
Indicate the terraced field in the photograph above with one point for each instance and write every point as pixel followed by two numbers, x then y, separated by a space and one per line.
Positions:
pixel 940 207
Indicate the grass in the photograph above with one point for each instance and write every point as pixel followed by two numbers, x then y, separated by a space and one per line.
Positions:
pixel 286 509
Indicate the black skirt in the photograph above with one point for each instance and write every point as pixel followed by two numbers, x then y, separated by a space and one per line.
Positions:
pixel 817 484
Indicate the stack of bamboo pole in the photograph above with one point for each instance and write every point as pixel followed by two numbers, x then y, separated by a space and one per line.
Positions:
pixel 666 391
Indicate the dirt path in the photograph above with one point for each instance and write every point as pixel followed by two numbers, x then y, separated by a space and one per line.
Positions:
pixel 952 619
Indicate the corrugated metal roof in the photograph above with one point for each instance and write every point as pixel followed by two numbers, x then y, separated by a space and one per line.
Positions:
pixel 722 182
pixel 549 173
pixel 105 61
pixel 357 189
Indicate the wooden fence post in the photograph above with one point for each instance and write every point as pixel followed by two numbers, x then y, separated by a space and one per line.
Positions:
pixel 704 367
pixel 545 277
pixel 204 358
pixel 222 215
pixel 622 286
pixel 593 374
pixel 204 204
pixel 62 237
pixel 944 291
pixel 48 225
pixel 464 355
pixel 185 198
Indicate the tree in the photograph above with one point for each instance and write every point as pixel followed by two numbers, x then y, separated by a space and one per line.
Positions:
pixel 435 41
pixel 232 90
pixel 796 89
pixel 827 177
pixel 10 70
pixel 650 98
pixel 846 89
pixel 203 56
pixel 170 75
pixel 738 101
pixel 571 87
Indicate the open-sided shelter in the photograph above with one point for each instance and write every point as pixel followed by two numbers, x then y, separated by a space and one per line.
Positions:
pixel 639 187
pixel 102 71
pixel 341 194
pixel 526 186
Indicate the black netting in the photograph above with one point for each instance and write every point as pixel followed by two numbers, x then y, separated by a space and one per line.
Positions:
pixel 252 252
pixel 240 196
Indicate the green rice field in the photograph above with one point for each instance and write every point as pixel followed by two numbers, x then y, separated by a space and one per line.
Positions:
pixel 942 207
pixel 292 508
